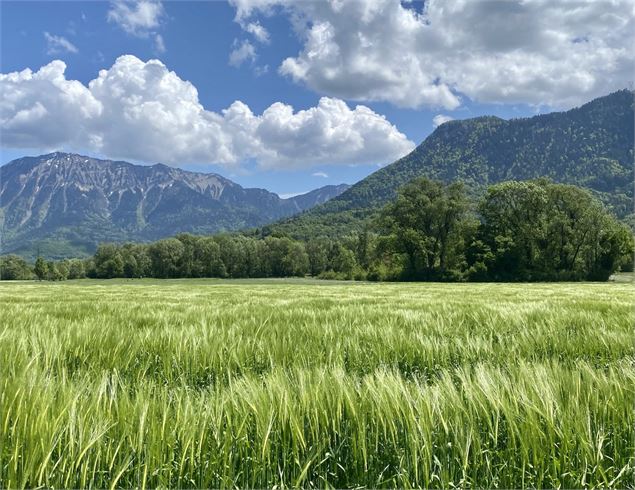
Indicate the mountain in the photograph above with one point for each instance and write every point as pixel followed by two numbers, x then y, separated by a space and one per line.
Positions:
pixel 64 204
pixel 590 146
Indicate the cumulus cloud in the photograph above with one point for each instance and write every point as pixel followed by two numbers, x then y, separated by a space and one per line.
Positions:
pixel 241 52
pixel 58 44
pixel 439 119
pixel 554 52
pixel 141 110
pixel 324 175
pixel 44 109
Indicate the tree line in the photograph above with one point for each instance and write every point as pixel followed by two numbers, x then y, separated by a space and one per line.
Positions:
pixel 518 231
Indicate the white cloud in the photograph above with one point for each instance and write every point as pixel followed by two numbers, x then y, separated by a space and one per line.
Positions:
pixel 241 52
pixel 289 195
pixel 142 111
pixel 58 44
pixel 324 175
pixel 138 18
pixel 439 119
pixel 261 70
pixel 159 44
pixel 44 109
pixel 554 52
pixel 245 50
pixel 329 133
pixel 259 32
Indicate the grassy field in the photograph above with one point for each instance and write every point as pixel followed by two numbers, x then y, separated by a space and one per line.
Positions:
pixel 316 384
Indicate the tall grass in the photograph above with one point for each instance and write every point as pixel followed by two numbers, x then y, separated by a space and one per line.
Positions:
pixel 217 384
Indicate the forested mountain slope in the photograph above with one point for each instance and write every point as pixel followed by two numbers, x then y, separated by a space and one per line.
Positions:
pixel 590 146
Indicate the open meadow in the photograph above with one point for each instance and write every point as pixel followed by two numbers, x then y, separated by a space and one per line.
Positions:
pixel 211 383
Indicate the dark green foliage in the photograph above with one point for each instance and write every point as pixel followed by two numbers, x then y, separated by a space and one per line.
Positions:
pixel 426 223
pixel 167 257
pixel 108 261
pixel 317 255
pixel 40 269
pixel 61 271
pixel 76 269
pixel 286 257
pixel 14 268
pixel 591 146
pixel 520 231
pixel 342 261
pixel 543 231
pixel 523 231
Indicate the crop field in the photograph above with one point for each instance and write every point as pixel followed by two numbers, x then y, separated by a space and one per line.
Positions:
pixel 316 384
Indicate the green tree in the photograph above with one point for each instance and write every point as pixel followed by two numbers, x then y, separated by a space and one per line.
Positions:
pixel 425 223
pixel 53 273
pixel 611 246
pixel 343 261
pixel 166 257
pixel 62 270
pixel 40 269
pixel 514 224
pixel 130 266
pixel 317 254
pixel 208 259
pixel 76 269
pixel 286 257
pixel 14 268
pixel 538 230
pixel 108 261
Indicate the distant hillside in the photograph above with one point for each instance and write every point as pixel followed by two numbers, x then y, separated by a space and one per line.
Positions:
pixel 590 146
pixel 64 204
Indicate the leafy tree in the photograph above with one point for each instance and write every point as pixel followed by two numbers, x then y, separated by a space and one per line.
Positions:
pixel 343 261
pixel 61 269
pixel 40 269
pixel 425 223
pixel 76 269
pixel 208 259
pixel 363 248
pixel 232 255
pixel 317 255
pixel 13 267
pixel 539 230
pixel 130 266
pixel 137 262
pixel 514 223
pixel 166 256
pixel 52 272
pixel 286 257
pixel 89 267
pixel 108 261
pixel 611 246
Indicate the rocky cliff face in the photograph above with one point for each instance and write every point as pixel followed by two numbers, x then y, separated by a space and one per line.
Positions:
pixel 81 201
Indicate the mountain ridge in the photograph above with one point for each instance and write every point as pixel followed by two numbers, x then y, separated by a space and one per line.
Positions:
pixel 66 197
pixel 590 146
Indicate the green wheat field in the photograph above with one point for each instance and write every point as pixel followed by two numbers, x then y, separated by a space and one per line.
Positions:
pixel 220 384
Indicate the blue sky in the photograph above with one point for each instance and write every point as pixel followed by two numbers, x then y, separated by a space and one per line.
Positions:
pixel 406 63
